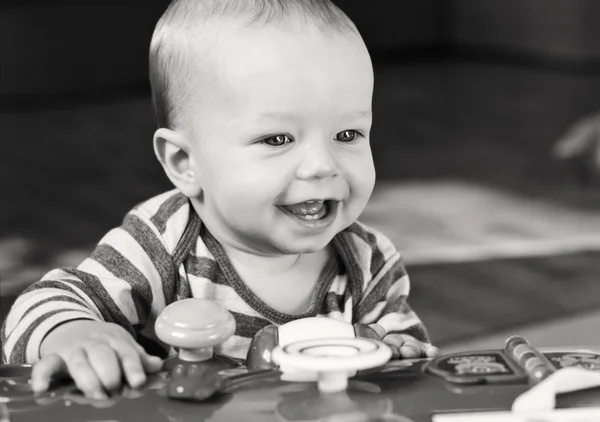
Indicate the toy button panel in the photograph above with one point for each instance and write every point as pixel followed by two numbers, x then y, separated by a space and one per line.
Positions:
pixel 587 360
pixel 483 367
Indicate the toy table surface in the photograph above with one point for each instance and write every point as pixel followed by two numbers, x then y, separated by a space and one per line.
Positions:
pixel 400 391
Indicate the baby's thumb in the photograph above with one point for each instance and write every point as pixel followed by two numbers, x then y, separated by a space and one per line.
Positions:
pixel 43 371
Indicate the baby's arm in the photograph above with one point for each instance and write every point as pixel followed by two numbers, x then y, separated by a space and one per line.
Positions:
pixel 386 310
pixel 128 278
pixel 384 306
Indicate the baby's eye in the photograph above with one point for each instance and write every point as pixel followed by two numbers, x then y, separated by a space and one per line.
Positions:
pixel 347 135
pixel 276 141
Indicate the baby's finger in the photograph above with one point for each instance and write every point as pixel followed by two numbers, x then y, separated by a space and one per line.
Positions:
pixel 44 370
pixel 105 363
pixel 84 376
pixel 131 362
pixel 151 364
pixel 394 340
pixel 411 349
pixel 432 352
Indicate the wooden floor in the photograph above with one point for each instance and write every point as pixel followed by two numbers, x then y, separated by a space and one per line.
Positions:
pixel 460 301
pixel 70 170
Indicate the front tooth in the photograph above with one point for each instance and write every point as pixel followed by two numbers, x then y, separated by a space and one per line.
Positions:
pixel 320 201
pixel 310 202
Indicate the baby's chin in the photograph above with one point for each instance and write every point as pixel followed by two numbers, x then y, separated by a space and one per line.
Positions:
pixel 302 250
pixel 304 245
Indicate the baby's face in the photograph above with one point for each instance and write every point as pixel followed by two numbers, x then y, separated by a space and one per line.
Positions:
pixel 281 140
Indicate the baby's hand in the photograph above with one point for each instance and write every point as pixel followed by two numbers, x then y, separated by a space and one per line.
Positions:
pixel 97 356
pixel 407 347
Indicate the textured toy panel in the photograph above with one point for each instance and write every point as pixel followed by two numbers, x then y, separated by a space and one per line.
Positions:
pixel 400 391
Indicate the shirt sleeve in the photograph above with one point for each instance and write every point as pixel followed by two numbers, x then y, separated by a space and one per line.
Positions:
pixel 384 303
pixel 128 277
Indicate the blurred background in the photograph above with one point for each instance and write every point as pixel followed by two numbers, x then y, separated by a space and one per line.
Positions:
pixel 470 98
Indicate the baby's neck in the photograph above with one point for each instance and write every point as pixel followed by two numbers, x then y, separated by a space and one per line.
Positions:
pixel 295 276
pixel 273 264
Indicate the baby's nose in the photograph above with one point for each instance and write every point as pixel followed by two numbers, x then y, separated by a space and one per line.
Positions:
pixel 318 162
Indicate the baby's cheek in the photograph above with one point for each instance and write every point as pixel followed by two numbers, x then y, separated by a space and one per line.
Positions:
pixel 363 177
pixel 361 191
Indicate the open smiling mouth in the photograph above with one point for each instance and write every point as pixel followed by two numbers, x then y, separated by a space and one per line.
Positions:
pixel 314 213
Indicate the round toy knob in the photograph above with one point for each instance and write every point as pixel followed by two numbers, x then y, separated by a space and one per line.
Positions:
pixel 334 360
pixel 194 326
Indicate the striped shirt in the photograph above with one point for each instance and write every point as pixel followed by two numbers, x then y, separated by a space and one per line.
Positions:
pixel 162 253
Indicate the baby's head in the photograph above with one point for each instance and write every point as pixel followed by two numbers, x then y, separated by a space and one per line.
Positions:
pixel 264 112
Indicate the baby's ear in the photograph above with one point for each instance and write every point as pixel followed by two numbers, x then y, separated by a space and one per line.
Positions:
pixel 174 153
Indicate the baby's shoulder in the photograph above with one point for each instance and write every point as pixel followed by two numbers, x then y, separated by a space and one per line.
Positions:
pixel 162 206
pixel 167 215
pixel 370 241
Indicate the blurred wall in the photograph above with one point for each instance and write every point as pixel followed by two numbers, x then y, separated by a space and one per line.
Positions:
pixel 58 46
pixel 390 25
pixel 89 45
pixel 553 29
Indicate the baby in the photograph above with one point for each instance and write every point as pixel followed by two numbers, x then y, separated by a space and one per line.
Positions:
pixel 264 112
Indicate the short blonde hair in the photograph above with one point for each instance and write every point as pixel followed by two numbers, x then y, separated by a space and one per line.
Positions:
pixel 184 26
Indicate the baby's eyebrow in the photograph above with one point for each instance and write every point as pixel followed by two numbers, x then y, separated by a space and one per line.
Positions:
pixel 365 114
pixel 278 115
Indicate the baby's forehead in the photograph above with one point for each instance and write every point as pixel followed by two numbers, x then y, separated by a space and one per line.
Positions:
pixel 235 56
pixel 271 63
